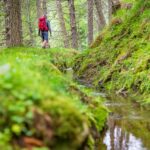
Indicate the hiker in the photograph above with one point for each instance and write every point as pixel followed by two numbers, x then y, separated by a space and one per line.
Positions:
pixel 44 27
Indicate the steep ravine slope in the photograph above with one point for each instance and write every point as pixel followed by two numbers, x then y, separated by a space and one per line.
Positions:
pixel 119 59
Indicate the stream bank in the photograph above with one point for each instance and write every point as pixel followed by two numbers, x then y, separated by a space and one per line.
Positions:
pixel 128 123
pixel 119 59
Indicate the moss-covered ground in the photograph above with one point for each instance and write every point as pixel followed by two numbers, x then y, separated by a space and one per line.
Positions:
pixel 40 106
pixel 119 59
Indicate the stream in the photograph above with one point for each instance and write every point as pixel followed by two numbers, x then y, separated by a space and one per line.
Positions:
pixel 128 126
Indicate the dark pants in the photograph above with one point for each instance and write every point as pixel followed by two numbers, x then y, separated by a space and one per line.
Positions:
pixel 45 35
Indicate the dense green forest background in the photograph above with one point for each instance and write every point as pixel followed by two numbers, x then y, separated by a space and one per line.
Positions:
pixel 30 22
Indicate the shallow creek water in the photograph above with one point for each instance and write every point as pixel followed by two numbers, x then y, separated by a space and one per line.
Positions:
pixel 128 126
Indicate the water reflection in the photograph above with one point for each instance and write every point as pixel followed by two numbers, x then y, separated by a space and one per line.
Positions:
pixel 117 139
pixel 128 127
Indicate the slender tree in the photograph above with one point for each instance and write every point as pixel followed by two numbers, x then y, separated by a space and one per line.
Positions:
pixel 28 16
pixel 74 33
pixel 90 21
pixel 39 8
pixel 44 6
pixel 13 22
pixel 110 9
pixel 98 23
pixel 98 5
pixel 62 23
pixel 2 31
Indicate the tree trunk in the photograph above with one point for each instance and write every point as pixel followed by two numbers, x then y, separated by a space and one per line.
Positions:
pixel 90 21
pixel 39 8
pixel 45 7
pixel 29 23
pixel 2 18
pixel 13 22
pixel 98 6
pixel 74 34
pixel 110 10
pixel 62 23
pixel 96 20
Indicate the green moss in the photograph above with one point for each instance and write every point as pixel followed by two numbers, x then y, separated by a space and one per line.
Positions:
pixel 120 60
pixel 37 100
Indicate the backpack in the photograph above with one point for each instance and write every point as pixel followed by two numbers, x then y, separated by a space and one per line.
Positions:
pixel 43 24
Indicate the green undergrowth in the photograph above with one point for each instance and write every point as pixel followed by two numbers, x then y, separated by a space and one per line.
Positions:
pixel 40 106
pixel 119 59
